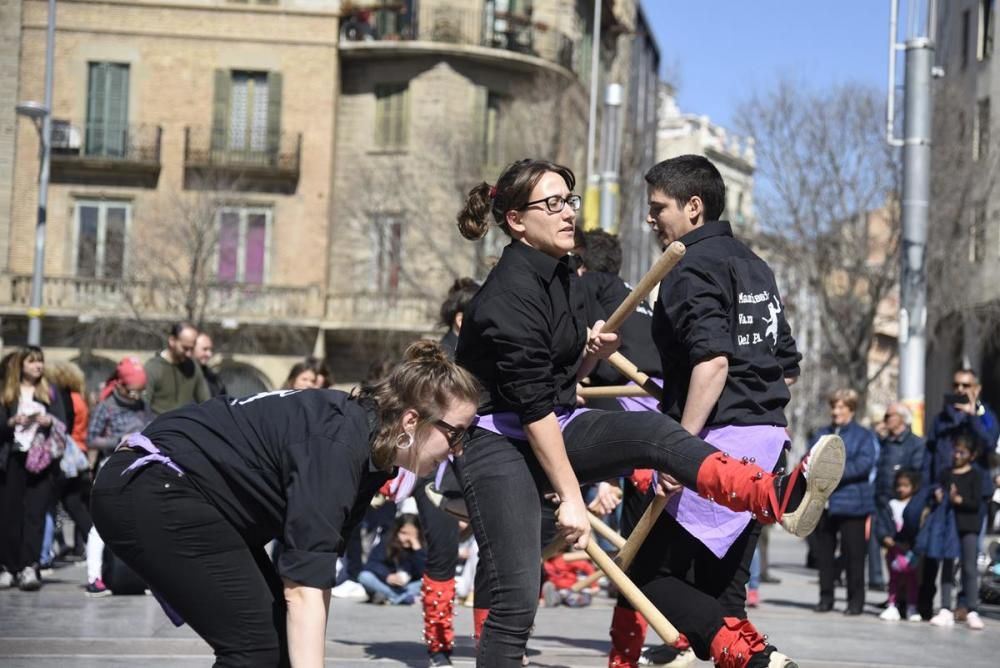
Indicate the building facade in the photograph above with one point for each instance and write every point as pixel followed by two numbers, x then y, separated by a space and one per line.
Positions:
pixel 285 173
pixel 964 243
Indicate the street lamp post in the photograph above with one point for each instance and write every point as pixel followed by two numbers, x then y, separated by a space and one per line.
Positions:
pixel 43 112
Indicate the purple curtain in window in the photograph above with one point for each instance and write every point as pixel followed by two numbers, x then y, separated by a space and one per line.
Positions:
pixel 253 267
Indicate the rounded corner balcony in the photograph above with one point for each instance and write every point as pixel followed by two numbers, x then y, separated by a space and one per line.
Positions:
pixel 509 39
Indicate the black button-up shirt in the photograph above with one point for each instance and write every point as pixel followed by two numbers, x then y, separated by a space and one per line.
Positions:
pixel 721 299
pixel 602 293
pixel 522 338
pixel 291 464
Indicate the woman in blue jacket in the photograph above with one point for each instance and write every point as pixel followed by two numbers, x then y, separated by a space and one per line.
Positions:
pixel 849 506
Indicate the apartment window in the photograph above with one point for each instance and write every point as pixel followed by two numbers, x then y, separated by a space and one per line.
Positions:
pixel 977 235
pixel 984 47
pixel 107 109
pixel 391 115
pixel 246 114
pixel 981 130
pixel 244 239
pixel 494 131
pixel 387 252
pixel 101 233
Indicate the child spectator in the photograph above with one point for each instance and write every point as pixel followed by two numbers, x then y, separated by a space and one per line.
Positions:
pixel 900 558
pixel 956 530
pixel 560 576
pixel 396 564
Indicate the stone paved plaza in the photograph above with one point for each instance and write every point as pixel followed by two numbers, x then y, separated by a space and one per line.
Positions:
pixel 59 626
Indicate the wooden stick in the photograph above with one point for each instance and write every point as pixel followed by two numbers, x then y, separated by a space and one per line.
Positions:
pixel 588 581
pixel 631 371
pixel 611 391
pixel 670 257
pixel 627 552
pixel 606 532
pixel 557 546
pixel 643 606
pixel 575 555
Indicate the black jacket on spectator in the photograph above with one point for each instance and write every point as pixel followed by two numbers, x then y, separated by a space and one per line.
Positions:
pixel 216 387
pixel 522 335
pixel 721 299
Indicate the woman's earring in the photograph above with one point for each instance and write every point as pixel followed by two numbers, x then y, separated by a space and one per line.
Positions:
pixel 400 444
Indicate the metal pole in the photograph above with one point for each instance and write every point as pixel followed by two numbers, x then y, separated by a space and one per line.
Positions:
pixel 611 157
pixel 916 194
pixel 38 273
pixel 595 64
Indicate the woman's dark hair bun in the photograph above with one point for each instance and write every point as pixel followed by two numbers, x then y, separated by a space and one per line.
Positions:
pixel 473 219
pixel 425 352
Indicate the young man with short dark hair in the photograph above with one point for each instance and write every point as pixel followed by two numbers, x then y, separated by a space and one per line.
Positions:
pixel 728 356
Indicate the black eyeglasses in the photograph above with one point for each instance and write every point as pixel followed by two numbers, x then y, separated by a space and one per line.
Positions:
pixel 557 203
pixel 453 434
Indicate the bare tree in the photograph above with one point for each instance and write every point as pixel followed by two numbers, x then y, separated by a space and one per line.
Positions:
pixel 830 222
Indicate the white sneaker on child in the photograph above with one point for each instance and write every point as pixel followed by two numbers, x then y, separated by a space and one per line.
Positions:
pixel 944 617
pixel 912 615
pixel 351 590
pixel 890 614
pixel 973 620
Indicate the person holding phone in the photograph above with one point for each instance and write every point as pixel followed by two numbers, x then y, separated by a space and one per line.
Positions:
pixel 963 412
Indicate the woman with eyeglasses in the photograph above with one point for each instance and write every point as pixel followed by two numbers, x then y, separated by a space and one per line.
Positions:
pixel 190 503
pixel 524 337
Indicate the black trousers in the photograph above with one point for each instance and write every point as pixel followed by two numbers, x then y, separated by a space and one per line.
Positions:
pixel 161 525
pixel 24 499
pixel 853 547
pixel 503 485
pixel 440 533
pixel 72 492
pixel 686 581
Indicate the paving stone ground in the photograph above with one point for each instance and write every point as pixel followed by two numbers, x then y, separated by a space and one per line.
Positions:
pixel 59 626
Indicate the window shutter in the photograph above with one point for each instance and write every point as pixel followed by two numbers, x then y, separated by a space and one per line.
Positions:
pixel 403 118
pixel 96 88
pixel 116 110
pixel 274 114
pixel 220 109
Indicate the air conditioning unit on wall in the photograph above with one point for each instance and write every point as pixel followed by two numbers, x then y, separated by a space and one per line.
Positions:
pixel 65 137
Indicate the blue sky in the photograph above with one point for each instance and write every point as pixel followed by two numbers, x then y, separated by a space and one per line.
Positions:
pixel 724 50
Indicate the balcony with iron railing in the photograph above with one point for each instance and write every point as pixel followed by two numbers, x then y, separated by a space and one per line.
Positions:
pixel 125 154
pixel 114 298
pixel 388 29
pixel 268 163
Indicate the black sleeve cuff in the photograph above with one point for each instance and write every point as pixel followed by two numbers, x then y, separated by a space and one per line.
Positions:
pixel 312 569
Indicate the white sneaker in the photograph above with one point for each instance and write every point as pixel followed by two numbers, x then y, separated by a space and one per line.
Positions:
pixel 912 615
pixel 890 614
pixel 349 589
pixel 973 620
pixel 944 617
pixel 28 580
pixel 6 580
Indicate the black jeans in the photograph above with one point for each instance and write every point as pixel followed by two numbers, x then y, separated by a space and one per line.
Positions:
pixel 854 548
pixel 24 499
pixel 503 484
pixel 161 525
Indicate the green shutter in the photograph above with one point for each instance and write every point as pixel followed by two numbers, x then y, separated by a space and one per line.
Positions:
pixel 220 109
pixel 273 114
pixel 480 98
pixel 96 88
pixel 116 110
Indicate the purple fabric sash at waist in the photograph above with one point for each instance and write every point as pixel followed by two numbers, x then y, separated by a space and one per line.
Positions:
pixel 646 403
pixel 715 526
pixel 509 424
pixel 137 441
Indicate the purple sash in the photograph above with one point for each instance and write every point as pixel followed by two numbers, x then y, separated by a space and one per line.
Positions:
pixel 509 424
pixel 139 442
